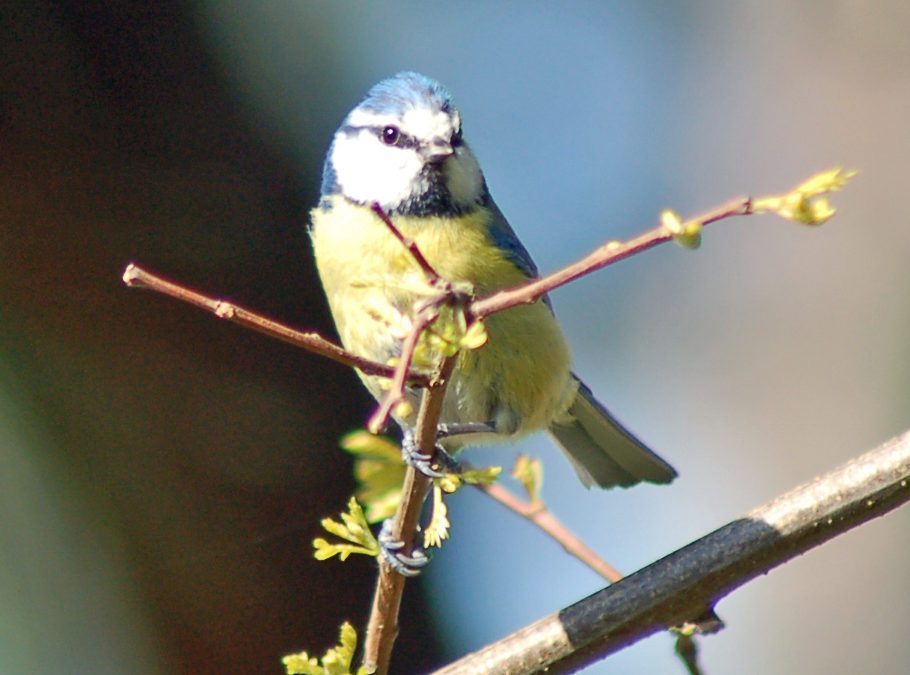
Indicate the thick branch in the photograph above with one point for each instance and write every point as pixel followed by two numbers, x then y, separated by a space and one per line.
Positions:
pixel 668 591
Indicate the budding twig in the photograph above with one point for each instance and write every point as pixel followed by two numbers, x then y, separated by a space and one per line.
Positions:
pixel 805 204
pixel 609 253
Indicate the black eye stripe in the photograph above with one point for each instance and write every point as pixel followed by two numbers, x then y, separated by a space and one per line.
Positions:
pixel 403 140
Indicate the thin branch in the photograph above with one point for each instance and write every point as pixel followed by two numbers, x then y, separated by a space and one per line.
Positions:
pixel 609 253
pixel 396 391
pixel 668 591
pixel 136 277
pixel 382 628
pixel 538 514
pixel 432 276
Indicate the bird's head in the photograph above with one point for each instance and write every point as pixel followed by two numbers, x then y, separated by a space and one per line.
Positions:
pixel 402 148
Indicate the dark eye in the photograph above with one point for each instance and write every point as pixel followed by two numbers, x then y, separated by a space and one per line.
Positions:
pixel 457 139
pixel 390 135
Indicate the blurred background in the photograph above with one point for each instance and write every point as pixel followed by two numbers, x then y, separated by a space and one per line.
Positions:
pixel 164 472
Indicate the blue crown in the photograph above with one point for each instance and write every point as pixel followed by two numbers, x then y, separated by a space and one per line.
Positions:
pixel 405 91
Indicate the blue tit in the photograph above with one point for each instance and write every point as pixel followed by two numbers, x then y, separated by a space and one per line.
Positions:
pixel 403 149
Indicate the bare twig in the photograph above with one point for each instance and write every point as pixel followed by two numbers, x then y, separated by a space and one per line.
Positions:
pixel 383 624
pixel 609 253
pixel 668 591
pixel 136 277
pixel 431 275
pixel 537 513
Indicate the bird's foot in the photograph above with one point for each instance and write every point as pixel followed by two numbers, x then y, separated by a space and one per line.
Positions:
pixel 406 564
pixel 435 465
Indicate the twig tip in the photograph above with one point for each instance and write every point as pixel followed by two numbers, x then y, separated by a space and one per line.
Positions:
pixel 132 276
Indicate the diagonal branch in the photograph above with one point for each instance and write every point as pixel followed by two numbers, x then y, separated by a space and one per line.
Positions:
pixel 136 277
pixel 668 591
pixel 431 275
pixel 609 253
pixel 538 514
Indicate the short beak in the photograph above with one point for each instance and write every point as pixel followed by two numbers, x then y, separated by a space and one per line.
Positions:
pixel 438 151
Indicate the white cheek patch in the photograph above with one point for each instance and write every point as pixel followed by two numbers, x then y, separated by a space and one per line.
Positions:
pixel 369 171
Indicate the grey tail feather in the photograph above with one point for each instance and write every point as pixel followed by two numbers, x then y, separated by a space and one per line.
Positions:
pixel 602 451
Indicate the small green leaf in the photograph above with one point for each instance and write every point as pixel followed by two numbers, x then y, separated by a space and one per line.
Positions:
pixel 687 235
pixel 438 528
pixel 379 471
pixel 352 528
pixel 336 661
pixel 475 336
pixel 302 664
pixel 807 203
pixel 361 443
pixel 529 472
pixel 486 475
pixel 449 483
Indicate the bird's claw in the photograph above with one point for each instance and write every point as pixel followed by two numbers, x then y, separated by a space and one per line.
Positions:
pixel 430 465
pixel 407 565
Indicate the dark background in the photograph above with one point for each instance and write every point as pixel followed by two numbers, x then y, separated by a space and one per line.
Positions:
pixel 187 459
pixel 163 473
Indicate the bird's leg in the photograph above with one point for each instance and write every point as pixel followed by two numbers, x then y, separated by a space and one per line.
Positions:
pixel 445 430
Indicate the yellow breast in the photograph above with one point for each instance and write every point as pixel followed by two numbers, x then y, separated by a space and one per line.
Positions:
pixel 519 378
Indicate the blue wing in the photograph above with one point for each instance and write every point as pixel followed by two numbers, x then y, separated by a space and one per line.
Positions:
pixel 505 238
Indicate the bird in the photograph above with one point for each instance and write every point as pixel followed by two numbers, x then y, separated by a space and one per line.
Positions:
pixel 401 152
